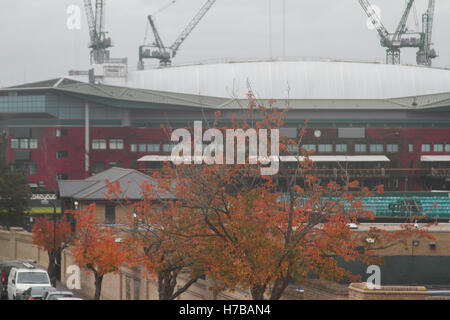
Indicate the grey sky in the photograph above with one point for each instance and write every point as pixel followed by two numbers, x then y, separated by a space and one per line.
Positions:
pixel 36 44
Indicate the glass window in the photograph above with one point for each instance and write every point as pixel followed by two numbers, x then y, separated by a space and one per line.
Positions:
pixel 153 147
pixel 325 148
pixel 426 147
pixel 142 147
pixel 33 144
pixel 341 147
pixel 292 148
pixel 134 147
pixel 62 176
pixel 411 147
pixel 375 148
pixel 360 148
pixel 447 148
pixel 98 167
pixel 32 169
pixel 24 143
pixel 110 214
pixel 14 143
pixel 61 132
pixel 438 147
pixel 392 148
pixel 116 144
pixel 62 154
pixel 167 147
pixel 309 147
pixel 99 144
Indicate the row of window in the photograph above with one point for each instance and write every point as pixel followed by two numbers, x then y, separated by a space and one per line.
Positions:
pixel 151 147
pixel 101 144
pixel 343 148
pixel 24 143
pixel 437 147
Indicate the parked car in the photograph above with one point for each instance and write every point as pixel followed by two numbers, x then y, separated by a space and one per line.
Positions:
pixel 68 298
pixel 36 293
pixel 22 278
pixel 56 295
pixel 5 269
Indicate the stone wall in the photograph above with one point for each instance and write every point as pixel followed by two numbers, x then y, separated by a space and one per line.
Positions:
pixel 361 291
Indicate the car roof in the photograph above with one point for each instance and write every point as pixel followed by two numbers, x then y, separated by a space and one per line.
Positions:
pixel 61 292
pixel 69 298
pixel 30 270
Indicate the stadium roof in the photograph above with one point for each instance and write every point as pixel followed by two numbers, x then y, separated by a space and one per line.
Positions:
pixel 296 84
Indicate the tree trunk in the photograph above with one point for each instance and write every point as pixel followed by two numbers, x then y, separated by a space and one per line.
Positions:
pixel 258 292
pixel 98 286
pixel 52 267
pixel 166 285
pixel 279 287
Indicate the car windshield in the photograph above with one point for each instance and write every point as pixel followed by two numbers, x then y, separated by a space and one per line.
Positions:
pixel 33 278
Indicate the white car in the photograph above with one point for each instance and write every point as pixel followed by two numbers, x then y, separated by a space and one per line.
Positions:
pixel 20 279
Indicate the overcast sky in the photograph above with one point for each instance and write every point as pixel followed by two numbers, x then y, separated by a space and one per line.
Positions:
pixel 37 45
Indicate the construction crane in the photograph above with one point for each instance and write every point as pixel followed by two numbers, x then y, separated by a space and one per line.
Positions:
pixel 99 40
pixel 426 53
pixel 402 37
pixel 158 51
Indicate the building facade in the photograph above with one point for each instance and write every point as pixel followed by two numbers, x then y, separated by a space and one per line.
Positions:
pixel 64 129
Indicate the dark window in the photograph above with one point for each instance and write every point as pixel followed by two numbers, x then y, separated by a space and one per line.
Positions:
pixel 62 154
pixel 62 176
pixel 110 214
pixel 98 167
pixel 22 133
pixel 116 164
pixel 62 132
pixel 22 155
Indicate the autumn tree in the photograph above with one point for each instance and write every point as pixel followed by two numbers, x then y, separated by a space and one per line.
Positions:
pixel 161 237
pixel 53 236
pixel 261 232
pixel 95 247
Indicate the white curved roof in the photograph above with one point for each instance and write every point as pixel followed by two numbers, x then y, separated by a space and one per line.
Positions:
pixel 303 79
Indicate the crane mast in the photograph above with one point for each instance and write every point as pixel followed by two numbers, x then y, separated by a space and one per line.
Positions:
pixel 157 50
pixel 99 40
pixel 394 42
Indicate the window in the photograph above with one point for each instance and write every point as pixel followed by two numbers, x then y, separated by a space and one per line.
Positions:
pixel 142 147
pixel 61 132
pixel 153 147
pixel 360 148
pixel 33 144
pixel 325 148
pixel 167 147
pixel 98 167
pixel 392 148
pixel 341 148
pixel 14 143
pixel 32 169
pixel 309 147
pixel 447 148
pixel 116 164
pixel 375 148
pixel 426 147
pixel 438 147
pixel 134 147
pixel 411 147
pixel 99 144
pixel 62 154
pixel 116 144
pixel 292 148
pixel 110 214
pixel 62 176
pixel 24 143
